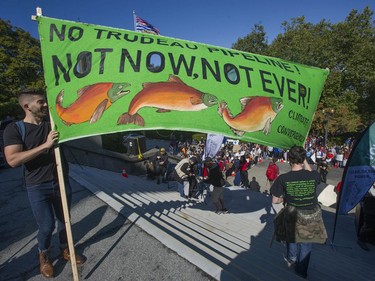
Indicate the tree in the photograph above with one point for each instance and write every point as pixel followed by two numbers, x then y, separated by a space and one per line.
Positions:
pixel 20 66
pixel 255 42
pixel 355 46
pixel 347 49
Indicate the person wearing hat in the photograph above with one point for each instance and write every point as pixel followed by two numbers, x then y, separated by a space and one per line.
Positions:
pixel 216 179
pixel 160 165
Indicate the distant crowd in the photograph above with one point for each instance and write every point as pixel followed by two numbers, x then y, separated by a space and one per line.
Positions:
pixel 335 155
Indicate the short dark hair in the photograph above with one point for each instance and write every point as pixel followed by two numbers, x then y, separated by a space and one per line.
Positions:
pixel 297 155
pixel 26 95
pixel 31 91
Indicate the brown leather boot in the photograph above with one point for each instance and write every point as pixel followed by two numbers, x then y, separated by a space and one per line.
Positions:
pixel 66 256
pixel 46 267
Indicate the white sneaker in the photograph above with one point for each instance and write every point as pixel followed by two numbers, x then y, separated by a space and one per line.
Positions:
pixel 290 263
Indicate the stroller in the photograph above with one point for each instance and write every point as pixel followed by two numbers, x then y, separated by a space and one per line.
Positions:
pixel 201 190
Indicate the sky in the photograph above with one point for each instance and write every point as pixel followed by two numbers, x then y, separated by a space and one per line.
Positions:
pixel 213 22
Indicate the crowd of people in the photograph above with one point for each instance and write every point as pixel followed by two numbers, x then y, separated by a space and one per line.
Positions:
pixel 237 159
pixel 334 155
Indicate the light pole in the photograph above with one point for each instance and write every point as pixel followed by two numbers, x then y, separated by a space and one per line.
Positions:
pixel 327 113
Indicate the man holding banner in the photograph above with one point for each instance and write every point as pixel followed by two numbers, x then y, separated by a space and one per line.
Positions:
pixel 30 143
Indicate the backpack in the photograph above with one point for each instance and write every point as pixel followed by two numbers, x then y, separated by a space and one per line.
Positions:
pixel 271 172
pixel 180 173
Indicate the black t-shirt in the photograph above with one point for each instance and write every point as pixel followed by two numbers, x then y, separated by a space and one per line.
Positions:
pixel 215 176
pixel 43 167
pixel 298 188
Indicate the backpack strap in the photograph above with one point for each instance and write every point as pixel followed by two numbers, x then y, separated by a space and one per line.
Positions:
pixel 21 129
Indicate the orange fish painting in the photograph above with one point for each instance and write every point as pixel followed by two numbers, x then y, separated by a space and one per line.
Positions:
pixel 166 96
pixel 257 114
pixel 92 101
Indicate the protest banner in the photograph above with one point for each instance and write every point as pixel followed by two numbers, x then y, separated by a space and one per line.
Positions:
pixel 104 80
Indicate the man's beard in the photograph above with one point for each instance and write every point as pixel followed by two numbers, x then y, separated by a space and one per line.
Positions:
pixel 42 113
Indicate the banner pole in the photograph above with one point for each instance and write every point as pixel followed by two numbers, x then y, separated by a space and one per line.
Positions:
pixel 64 201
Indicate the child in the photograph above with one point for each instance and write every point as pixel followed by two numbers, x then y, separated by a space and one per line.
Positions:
pixel 254 185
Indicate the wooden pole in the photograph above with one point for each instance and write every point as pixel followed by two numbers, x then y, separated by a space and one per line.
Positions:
pixel 64 201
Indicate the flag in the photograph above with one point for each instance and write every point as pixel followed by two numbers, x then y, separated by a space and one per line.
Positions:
pixel 213 144
pixel 143 26
pixel 359 172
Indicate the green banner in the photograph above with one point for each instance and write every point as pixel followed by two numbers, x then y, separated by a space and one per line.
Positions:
pixel 103 80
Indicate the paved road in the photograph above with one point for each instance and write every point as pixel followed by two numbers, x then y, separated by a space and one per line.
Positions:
pixel 116 249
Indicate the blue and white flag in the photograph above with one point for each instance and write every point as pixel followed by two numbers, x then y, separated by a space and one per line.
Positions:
pixel 359 173
pixel 213 144
pixel 143 26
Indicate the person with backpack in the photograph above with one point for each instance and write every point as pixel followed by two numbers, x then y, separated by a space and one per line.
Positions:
pixel 184 173
pixel 272 171
pixel 30 143
pixel 300 223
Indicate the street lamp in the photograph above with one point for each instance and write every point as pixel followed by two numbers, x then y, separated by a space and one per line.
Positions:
pixel 327 112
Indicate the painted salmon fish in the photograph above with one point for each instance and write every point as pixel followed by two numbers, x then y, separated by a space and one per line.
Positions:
pixel 257 114
pixel 166 96
pixel 92 101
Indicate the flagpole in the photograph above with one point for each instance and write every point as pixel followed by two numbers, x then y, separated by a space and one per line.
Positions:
pixel 135 25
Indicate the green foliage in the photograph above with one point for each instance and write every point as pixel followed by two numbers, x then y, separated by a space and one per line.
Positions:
pixel 346 48
pixel 255 42
pixel 20 65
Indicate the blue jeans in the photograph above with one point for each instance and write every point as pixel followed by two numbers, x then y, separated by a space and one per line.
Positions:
pixel 300 254
pixel 45 201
